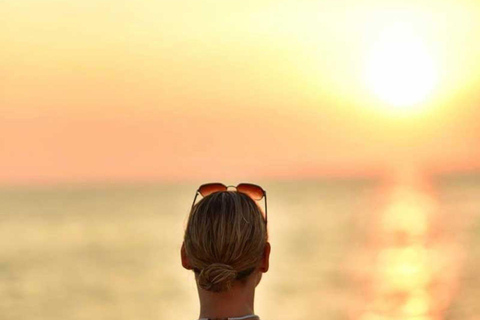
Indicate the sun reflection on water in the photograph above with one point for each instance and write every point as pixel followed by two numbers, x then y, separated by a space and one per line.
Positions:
pixel 410 276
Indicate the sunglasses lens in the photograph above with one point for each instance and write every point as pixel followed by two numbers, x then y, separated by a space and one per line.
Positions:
pixel 255 192
pixel 209 188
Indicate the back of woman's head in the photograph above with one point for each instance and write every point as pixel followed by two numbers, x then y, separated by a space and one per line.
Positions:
pixel 224 239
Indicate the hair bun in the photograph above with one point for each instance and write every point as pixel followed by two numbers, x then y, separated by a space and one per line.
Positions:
pixel 217 277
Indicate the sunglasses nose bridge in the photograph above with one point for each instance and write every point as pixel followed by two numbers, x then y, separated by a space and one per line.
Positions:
pixel 231 187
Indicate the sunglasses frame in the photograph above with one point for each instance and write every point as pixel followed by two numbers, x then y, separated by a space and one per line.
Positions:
pixel 236 188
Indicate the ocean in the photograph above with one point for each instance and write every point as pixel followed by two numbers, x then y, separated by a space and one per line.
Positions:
pixel 340 250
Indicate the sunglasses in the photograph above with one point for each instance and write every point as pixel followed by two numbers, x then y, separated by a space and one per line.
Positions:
pixel 252 190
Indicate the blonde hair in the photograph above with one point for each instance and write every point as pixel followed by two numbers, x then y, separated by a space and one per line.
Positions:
pixel 224 239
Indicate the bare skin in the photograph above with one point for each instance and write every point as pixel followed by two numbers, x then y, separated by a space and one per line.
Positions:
pixel 238 301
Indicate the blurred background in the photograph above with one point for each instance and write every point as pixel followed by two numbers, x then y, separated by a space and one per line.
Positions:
pixel 361 119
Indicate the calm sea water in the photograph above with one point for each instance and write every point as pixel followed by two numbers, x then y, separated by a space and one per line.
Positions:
pixel 113 251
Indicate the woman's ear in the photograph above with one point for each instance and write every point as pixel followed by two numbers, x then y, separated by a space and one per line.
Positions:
pixel 185 262
pixel 266 258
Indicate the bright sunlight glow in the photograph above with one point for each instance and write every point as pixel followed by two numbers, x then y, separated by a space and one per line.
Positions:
pixel 399 69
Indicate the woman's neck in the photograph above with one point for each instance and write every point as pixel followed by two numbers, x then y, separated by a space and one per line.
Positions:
pixel 237 302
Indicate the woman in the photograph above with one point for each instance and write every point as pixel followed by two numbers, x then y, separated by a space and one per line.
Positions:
pixel 226 245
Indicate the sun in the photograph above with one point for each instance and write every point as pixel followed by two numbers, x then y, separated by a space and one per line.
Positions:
pixel 400 70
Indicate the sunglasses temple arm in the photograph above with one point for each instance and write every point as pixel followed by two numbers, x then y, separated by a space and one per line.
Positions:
pixel 266 219
pixel 195 198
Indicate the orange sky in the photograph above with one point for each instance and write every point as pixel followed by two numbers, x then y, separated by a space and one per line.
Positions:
pixel 182 90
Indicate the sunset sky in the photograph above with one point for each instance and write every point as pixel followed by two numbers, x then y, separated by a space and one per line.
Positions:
pixel 98 90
